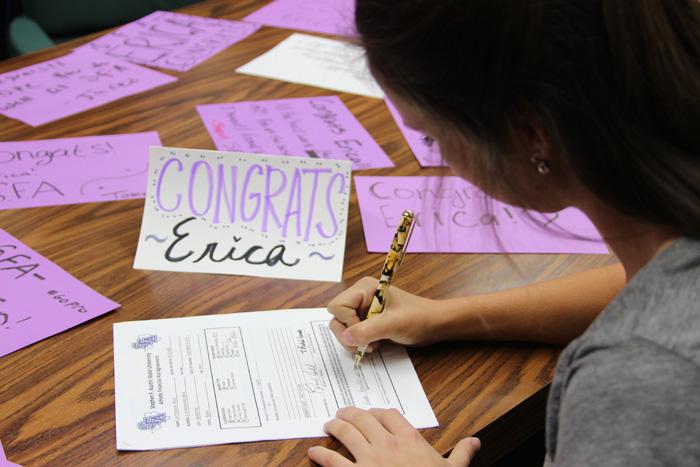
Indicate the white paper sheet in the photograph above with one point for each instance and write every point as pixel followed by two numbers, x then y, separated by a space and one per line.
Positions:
pixel 247 377
pixel 316 61
pixel 248 214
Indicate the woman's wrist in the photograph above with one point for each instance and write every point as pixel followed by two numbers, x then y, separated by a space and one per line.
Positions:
pixel 454 319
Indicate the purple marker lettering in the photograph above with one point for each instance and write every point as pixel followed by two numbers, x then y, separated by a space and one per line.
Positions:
pixel 389 221
pixel 24 153
pixel 221 191
pixel 46 187
pixel 7 156
pixel 2 248
pixel 294 203
pixel 253 196
pixel 173 27
pixel 329 205
pixel 159 186
pixel 404 193
pixel 312 199
pixel 269 208
pixel 456 220
pixel 16 187
pixel 138 48
pixel 373 190
pixel 192 189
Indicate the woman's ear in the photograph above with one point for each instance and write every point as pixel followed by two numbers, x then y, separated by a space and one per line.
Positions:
pixel 532 139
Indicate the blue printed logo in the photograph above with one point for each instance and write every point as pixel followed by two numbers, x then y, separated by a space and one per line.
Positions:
pixel 145 341
pixel 152 421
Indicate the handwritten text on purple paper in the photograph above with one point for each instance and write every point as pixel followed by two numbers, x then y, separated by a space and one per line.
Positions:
pixel 324 16
pixel 74 170
pixel 453 215
pixel 39 299
pixel 83 80
pixel 172 41
pixel 317 127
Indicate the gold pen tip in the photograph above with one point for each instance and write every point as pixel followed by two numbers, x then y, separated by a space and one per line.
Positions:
pixel 358 357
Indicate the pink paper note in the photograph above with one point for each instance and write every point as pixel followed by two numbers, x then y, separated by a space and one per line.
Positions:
pixel 74 170
pixel 453 216
pixel 38 299
pixel 71 84
pixel 173 41
pixel 3 459
pixel 427 156
pixel 318 127
pixel 325 16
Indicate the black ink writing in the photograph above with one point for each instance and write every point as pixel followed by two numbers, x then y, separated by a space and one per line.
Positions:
pixel 67 302
pixel 18 263
pixel 274 256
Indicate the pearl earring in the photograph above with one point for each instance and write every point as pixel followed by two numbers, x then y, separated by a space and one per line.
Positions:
pixel 541 164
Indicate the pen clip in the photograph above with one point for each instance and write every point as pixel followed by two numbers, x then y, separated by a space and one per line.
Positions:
pixel 408 238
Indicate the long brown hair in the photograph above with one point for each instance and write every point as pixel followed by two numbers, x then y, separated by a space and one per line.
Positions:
pixel 615 84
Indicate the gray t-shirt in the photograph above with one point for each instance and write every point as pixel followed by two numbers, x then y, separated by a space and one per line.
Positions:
pixel 627 391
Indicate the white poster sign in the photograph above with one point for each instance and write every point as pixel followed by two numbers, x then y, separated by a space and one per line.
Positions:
pixel 246 214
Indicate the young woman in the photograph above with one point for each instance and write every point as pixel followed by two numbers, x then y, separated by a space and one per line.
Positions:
pixel 548 104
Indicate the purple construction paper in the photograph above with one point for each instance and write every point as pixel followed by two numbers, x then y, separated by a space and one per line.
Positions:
pixel 39 299
pixel 173 41
pixel 453 216
pixel 427 156
pixel 74 170
pixel 325 16
pixel 82 80
pixel 3 459
pixel 319 127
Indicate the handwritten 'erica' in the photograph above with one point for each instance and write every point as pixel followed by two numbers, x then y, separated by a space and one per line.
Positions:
pixel 274 255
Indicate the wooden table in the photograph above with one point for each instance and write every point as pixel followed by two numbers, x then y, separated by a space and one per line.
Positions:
pixel 57 396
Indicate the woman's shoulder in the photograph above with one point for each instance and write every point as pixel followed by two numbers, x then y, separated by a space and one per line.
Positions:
pixel 660 306
pixel 630 403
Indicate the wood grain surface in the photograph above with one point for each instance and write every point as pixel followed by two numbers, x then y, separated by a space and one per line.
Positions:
pixel 57 396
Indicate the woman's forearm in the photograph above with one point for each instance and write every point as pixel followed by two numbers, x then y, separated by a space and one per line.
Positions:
pixel 552 312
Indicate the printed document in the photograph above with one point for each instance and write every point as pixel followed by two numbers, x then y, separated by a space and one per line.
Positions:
pixel 246 377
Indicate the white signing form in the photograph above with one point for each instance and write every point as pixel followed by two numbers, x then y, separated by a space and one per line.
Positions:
pixel 247 377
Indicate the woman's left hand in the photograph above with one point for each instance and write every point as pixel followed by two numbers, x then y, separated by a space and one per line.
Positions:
pixel 384 437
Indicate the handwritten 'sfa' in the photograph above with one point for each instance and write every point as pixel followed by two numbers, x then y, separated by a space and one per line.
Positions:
pixel 74 170
pixel 82 80
pixel 39 299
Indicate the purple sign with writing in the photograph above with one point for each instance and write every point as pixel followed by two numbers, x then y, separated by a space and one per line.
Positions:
pixel 247 214
pixel 325 16
pixel 38 299
pixel 428 155
pixel 317 127
pixel 74 170
pixel 454 216
pixel 173 41
pixel 83 80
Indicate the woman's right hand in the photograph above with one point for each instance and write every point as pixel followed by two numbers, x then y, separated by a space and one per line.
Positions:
pixel 407 319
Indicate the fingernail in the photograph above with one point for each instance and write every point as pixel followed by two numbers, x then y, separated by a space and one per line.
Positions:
pixel 476 443
pixel 348 338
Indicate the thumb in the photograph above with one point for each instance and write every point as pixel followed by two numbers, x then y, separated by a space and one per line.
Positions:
pixel 464 452
pixel 367 331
